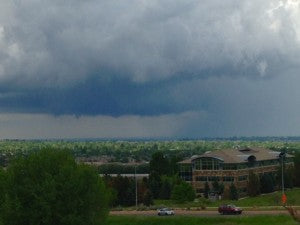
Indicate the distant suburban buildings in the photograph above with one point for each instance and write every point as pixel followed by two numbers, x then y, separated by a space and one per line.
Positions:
pixel 230 166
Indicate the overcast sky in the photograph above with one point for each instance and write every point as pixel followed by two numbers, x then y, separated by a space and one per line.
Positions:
pixel 149 68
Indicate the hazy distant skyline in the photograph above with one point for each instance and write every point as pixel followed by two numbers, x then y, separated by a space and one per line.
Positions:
pixel 149 68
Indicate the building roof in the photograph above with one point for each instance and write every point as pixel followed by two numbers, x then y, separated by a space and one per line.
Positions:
pixel 239 155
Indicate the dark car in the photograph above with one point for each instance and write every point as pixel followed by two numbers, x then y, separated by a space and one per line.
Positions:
pixel 229 209
pixel 165 212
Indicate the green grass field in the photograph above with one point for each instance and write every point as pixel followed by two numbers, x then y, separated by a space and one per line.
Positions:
pixel 182 220
pixel 272 199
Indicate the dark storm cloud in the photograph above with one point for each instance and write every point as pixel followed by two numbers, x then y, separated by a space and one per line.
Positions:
pixel 116 97
pixel 126 57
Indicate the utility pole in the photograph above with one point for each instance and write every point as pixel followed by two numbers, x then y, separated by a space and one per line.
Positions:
pixel 136 200
pixel 282 156
pixel 282 177
pixel 283 198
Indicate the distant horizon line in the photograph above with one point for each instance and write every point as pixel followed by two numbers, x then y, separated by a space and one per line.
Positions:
pixel 140 139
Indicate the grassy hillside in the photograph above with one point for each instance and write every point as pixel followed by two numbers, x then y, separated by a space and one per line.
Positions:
pixel 253 220
pixel 293 198
pixel 272 199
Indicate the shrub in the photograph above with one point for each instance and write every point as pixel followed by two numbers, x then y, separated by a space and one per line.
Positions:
pixel 183 192
pixel 142 208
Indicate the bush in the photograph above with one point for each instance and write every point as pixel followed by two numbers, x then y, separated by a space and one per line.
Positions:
pixel 153 207
pixel 48 187
pixel 183 192
pixel 202 206
pixel 142 208
pixel 233 192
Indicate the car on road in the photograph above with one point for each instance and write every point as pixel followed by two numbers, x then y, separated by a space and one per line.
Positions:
pixel 165 212
pixel 229 209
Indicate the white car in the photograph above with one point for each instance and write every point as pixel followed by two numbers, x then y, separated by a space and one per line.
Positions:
pixel 165 212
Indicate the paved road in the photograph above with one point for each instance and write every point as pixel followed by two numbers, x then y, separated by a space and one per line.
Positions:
pixel 203 213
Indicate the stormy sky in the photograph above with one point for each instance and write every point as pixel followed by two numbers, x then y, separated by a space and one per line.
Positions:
pixel 149 68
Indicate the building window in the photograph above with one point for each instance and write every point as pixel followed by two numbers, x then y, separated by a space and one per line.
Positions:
pixel 230 167
pixel 197 164
pixel 186 177
pixel 186 172
pixel 201 178
pixel 243 166
pixel 213 178
pixel 209 178
pixel 228 179
pixel 207 164
pixel 242 178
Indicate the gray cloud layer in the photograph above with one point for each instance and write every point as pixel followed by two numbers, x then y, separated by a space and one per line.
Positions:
pixel 234 62
pixel 62 43
pixel 34 126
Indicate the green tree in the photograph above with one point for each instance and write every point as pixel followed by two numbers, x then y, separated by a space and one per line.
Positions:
pixel 155 184
pixel 289 177
pixel 253 185
pixel 2 187
pixel 49 187
pixel 216 186
pixel 183 192
pixel 297 169
pixel 173 164
pixel 221 188
pixel 148 198
pixel 159 164
pixel 206 190
pixel 125 190
pixel 267 184
pixel 166 188
pixel 233 192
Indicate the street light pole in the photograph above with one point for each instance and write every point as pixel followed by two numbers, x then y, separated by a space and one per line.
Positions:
pixel 282 177
pixel 282 156
pixel 136 200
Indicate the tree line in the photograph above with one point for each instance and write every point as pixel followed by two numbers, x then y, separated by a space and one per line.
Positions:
pixel 138 151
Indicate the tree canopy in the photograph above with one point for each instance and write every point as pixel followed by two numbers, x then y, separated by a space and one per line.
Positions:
pixel 267 183
pixel 49 187
pixel 253 184
pixel 159 164
pixel 183 192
